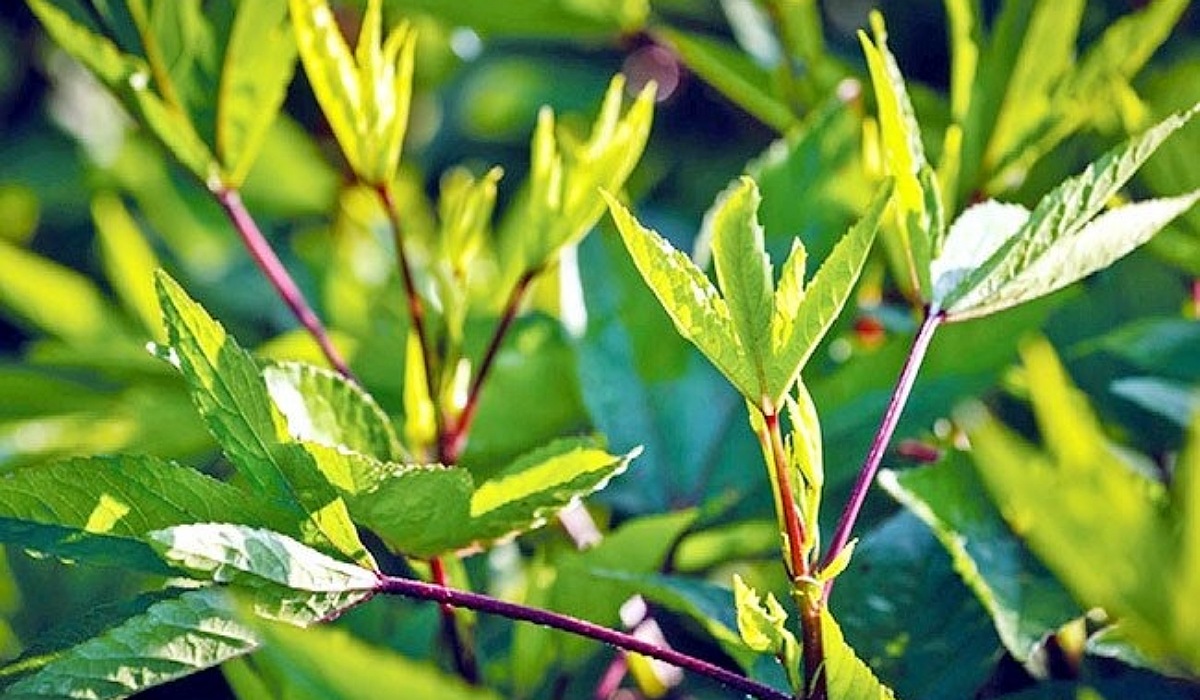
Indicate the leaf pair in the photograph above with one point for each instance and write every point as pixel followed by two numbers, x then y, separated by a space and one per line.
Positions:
pixel 995 256
pixel 366 94
pixel 159 60
pixel 757 335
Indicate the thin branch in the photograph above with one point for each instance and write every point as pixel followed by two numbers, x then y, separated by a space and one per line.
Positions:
pixel 486 604
pixel 455 438
pixel 887 426
pixel 266 259
pixel 416 306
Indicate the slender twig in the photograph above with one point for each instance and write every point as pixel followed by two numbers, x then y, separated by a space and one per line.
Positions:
pixel 416 306
pixel 813 647
pixel 455 438
pixel 464 657
pixel 486 604
pixel 887 426
pixel 266 259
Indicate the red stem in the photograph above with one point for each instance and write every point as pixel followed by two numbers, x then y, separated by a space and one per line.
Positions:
pixel 416 307
pixel 887 426
pixel 266 259
pixel 464 659
pixel 486 604
pixel 454 439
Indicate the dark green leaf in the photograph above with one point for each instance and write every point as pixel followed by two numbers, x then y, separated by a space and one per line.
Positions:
pixel 101 509
pixel 169 639
pixel 1025 602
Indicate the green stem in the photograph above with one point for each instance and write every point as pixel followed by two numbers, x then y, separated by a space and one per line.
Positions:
pixel 887 426
pixel 813 647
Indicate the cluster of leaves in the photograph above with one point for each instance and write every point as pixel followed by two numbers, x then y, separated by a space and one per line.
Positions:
pixel 409 448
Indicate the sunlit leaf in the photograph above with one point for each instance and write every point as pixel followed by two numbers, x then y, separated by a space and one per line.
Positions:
pixel 228 389
pixel 801 320
pixel 129 261
pixel 257 68
pixel 1141 538
pixel 225 553
pixel 905 157
pixel 323 407
pixel 1063 240
pixel 52 298
pixel 847 676
pixel 689 298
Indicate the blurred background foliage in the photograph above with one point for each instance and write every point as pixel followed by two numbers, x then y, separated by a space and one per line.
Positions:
pixel 88 204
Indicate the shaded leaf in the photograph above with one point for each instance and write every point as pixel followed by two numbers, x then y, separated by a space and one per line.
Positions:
pixel 169 639
pixel 733 73
pixel 1024 601
pixel 102 509
pixel 328 664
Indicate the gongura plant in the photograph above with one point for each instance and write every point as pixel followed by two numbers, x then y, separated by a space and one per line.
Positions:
pixel 364 507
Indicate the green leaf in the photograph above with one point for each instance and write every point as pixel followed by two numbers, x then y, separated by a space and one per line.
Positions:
pixel 763 627
pixel 963 18
pixel 554 20
pixel 566 172
pixel 228 389
pixel 532 490
pixel 905 158
pixel 323 407
pixel 101 509
pixel 899 602
pixel 744 271
pixel 230 553
pixel 428 511
pixel 732 73
pixel 1142 538
pixel 330 664
pixel 699 312
pixel 53 299
pixel 364 95
pixel 1025 602
pixel 129 262
pixel 847 676
pixel 168 640
pixel 802 317
pixel 258 65
pixel 1062 240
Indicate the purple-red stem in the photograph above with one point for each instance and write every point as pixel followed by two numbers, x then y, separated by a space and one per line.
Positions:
pixel 887 426
pixel 454 438
pixel 267 261
pixel 416 307
pixel 486 604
